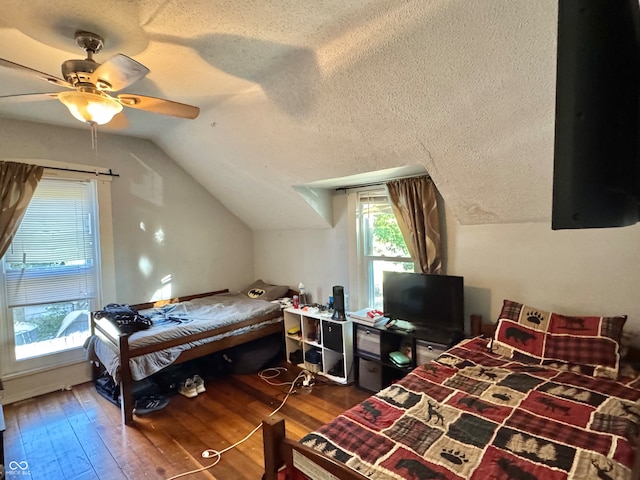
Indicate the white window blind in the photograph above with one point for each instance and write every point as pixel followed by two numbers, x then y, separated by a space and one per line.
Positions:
pixel 53 255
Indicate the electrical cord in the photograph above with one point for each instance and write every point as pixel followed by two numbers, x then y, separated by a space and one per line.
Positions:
pixel 268 373
pixel 211 453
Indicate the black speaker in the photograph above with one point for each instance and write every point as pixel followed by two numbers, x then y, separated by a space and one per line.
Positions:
pixel 338 303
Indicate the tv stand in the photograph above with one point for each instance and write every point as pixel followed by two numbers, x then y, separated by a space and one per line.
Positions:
pixel 372 345
pixel 444 337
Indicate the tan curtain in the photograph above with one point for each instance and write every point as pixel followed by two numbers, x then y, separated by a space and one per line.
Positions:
pixel 18 182
pixel 415 206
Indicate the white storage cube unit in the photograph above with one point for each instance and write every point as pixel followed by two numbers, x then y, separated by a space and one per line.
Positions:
pixel 319 333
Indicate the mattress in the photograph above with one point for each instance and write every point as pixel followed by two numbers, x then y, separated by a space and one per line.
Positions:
pixel 175 321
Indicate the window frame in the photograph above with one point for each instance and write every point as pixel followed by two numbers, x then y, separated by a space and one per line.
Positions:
pixel 9 367
pixel 361 282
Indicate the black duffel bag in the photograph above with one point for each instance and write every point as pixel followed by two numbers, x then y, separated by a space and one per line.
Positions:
pixel 124 317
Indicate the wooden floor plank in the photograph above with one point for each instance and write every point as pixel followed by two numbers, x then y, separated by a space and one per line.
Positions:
pixel 70 455
pixel 169 437
pixel 13 448
pixel 194 439
pixel 233 427
pixel 105 466
pixel 78 434
pixel 127 446
pixel 40 453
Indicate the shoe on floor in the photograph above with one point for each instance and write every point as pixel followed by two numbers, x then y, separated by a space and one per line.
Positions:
pixel 150 404
pixel 199 383
pixel 188 388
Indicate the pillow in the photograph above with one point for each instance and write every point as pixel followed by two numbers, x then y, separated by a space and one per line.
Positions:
pixel 586 344
pixel 265 291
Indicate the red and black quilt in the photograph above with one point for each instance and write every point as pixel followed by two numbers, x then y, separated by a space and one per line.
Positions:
pixel 472 414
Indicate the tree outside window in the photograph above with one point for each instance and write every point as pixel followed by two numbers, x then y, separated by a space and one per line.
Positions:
pixel 382 245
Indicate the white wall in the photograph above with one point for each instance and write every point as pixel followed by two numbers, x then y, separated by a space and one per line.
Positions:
pixel 164 222
pixel 572 272
pixel 577 272
pixel 318 258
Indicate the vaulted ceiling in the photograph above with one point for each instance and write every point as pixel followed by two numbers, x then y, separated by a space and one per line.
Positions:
pixel 300 96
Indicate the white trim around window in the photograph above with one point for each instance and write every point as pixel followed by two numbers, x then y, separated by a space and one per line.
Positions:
pixel 58 374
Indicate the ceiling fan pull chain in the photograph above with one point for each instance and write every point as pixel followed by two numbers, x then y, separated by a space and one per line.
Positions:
pixel 94 137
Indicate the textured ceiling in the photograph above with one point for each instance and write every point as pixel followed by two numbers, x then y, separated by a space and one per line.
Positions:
pixel 310 92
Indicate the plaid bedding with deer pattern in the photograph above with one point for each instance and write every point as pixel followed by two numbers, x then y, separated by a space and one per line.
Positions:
pixel 472 414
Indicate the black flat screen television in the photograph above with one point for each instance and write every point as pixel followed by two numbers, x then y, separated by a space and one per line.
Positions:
pixel 596 175
pixel 434 302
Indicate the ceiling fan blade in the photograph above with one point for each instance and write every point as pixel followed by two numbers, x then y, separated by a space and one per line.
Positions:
pixel 117 73
pixel 44 76
pixel 158 105
pixel 28 97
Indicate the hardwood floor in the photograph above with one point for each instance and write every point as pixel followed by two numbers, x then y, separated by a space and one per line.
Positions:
pixel 77 434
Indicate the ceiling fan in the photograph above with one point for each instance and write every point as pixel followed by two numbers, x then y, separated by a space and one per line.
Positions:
pixel 89 82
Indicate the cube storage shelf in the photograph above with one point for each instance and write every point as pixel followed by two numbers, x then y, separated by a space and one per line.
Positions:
pixel 325 346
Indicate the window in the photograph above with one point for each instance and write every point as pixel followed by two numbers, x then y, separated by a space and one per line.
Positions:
pixel 381 245
pixel 51 273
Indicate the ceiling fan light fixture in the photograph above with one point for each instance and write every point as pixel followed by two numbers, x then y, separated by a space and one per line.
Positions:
pixel 90 107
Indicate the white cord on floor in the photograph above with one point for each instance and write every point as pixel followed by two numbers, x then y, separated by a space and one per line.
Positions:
pixel 268 373
pixel 210 453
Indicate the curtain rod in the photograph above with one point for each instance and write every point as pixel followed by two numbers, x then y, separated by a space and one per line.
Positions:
pixel 109 174
pixel 363 185
pixel 382 182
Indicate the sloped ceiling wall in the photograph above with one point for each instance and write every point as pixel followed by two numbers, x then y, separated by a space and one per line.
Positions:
pixel 296 93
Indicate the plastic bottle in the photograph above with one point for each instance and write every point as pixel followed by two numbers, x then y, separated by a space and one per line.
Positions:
pixel 303 295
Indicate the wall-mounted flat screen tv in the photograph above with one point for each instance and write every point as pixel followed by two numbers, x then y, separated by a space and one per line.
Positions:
pixel 596 175
pixel 425 300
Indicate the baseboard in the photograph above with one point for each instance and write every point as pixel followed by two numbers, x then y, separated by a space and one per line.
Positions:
pixel 40 383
